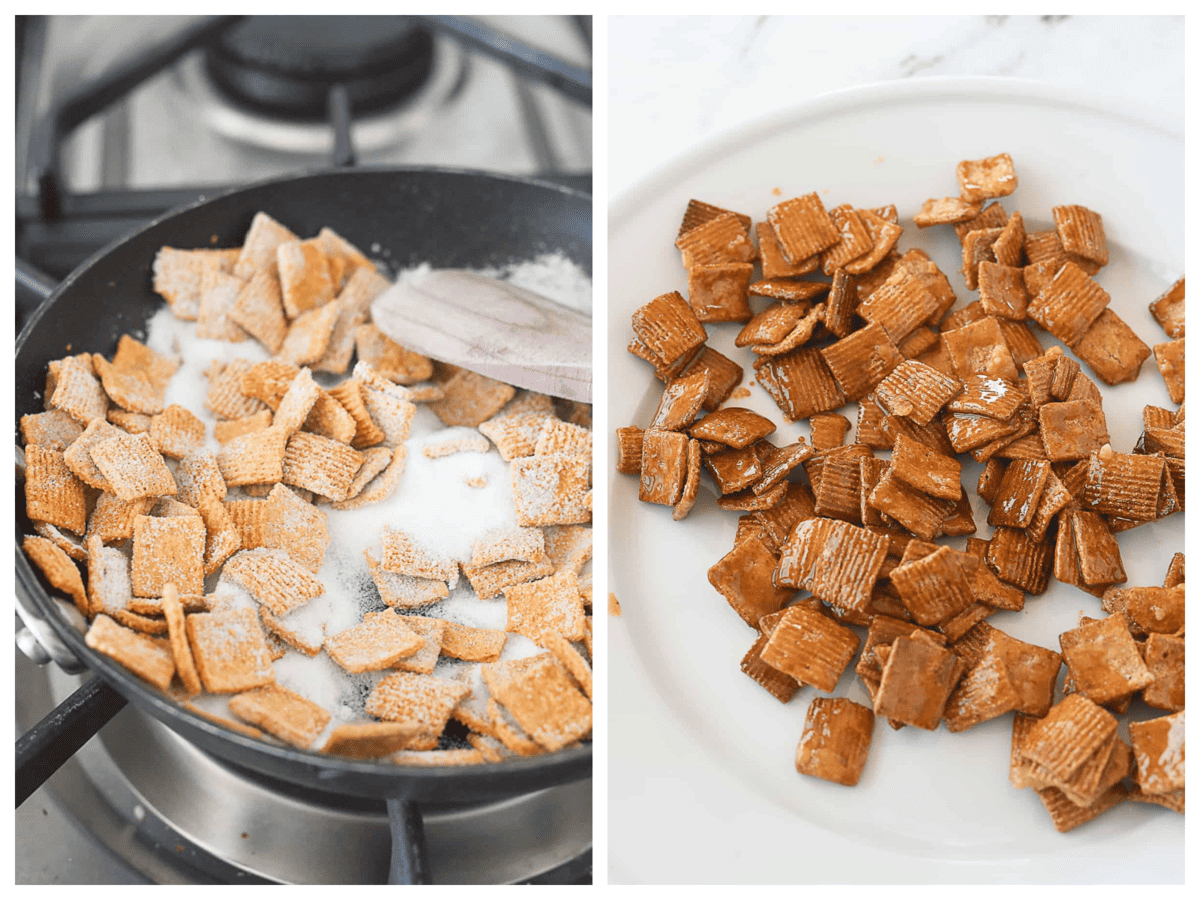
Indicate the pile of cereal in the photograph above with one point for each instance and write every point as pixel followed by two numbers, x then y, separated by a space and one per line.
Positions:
pixel 302 530
pixel 859 532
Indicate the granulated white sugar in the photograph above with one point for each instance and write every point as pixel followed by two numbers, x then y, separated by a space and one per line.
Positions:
pixel 448 502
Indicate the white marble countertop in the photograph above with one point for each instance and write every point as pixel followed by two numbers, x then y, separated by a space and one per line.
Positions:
pixel 674 82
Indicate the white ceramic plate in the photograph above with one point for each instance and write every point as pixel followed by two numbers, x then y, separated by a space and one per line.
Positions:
pixel 702 783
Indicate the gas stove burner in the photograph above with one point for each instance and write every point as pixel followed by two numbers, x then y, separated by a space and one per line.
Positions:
pixel 384 118
pixel 285 66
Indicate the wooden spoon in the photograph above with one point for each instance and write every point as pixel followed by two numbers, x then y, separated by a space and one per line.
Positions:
pixel 491 327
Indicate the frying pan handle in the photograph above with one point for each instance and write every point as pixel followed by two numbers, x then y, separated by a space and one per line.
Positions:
pixel 55 739
pixel 33 287
pixel 410 860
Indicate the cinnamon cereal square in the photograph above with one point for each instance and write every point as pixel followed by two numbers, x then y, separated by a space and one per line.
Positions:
pixel 231 651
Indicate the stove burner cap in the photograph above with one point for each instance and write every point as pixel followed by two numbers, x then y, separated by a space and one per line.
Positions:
pixel 284 66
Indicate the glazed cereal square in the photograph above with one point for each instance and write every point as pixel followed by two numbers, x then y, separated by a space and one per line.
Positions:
pixel 168 551
pixel 553 489
pixel 144 656
pixel 835 740
pixel 1158 747
pixel 981 179
pixel 1103 660
pixel 231 651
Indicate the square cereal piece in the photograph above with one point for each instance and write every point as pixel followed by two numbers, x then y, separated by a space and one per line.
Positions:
pixel 544 701
pixel 991 216
pixel 933 588
pixel 800 382
pixel 379 641
pixel 1081 232
pixel 778 684
pixel 984 693
pixel 133 467
pixel 499 544
pixel 917 680
pixel 978 247
pixel 744 577
pixel 404 591
pixel 76 391
pixel 854 241
pixel 734 470
pixel 350 396
pixel 1112 349
pixel 562 437
pixel 225 398
pixel 829 430
pixel 946 211
pixel 857 363
pixel 282 633
pixel 810 647
pixel 546 606
pixel 181 650
pixel 425 659
pixel 568 547
pixel 926 470
pixel 723 375
pixel 698 213
pixel 231 651
pixel 918 512
pixel 290 717
pixel 733 426
pixel 198 477
pixel 516 435
pixel 168 551
pixel 1019 493
pixel 320 465
pixel 145 657
pixel 554 488
pixel 1068 736
pixel 354 306
pixel 373 488
pixel 916 390
pixel 112 518
pixel 308 337
pixel 802 227
pixel 1158 747
pixel 180 276
pixel 1072 429
pixel 1123 484
pixel 218 294
pixel 774 265
pixel 58 568
pixel 573 661
pixel 900 305
pixel 471 399
pixel 472 644
pixel 1019 560
pixel 52 492
pixel 1168 310
pixel 841 305
pixel 1169 357
pixel 304 278
pixel 1002 291
pixel 719 293
pixel 273 579
pixel 293 409
pixel 259 246
pixel 681 401
pixel 268 381
pixel 131 389
pixel 1033 671
pixel 258 309
pixel 1067 816
pixel 425 701
pixel 489 582
pixel 1164 657
pixel 53 429
pixel 406 556
pixel 254 458
pixel 370 740
pixel 176 432
pixel 835 560
pixel 389 359
pixel 1009 246
pixel 979 349
pixel 883 234
pixel 1103 660
pixel 668 328
pixel 1069 304
pixel 981 179
pixel 722 239
pixel 835 740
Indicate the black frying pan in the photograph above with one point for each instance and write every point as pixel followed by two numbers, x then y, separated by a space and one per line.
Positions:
pixel 409 216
